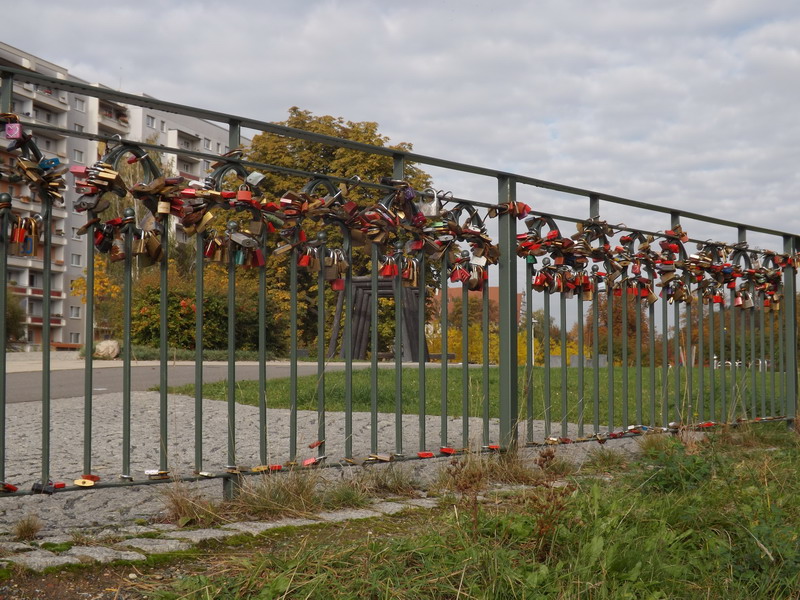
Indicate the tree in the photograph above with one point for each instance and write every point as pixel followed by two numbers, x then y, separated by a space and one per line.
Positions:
pixel 617 326
pixel 322 159
pixel 15 317
pixel 107 292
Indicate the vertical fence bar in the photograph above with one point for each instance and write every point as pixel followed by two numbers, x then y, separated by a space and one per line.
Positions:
pixel 664 360
pixel 465 363
pixel 781 325
pixel 398 173
pixel 373 350
pixel 743 359
pixel 651 347
pixel 753 388
pixel 398 356
pixel 88 347
pixel 548 412
pixel 164 345
pixel 624 333
pixel 529 349
pixel 562 297
pixel 676 349
pixel 509 413
pixel 735 391
pixel 790 292
pixel 293 355
pixel 445 358
pixel 127 303
pixel 422 287
pixel 5 207
pixel 758 298
pixel 262 354
pixel 47 206
pixel 712 360
pixel 610 337
pixel 199 303
pixel 581 361
pixel 322 237
pixel 485 340
pixel 773 362
pixel 689 354
pixel 723 373
pixel 347 343
pixel 595 352
pixel 638 307
pixel 594 213
pixel 701 381
pixel 233 250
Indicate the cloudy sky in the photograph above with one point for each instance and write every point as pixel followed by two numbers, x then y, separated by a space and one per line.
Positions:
pixel 691 104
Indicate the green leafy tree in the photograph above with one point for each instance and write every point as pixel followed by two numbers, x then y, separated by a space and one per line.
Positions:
pixel 15 317
pixel 322 159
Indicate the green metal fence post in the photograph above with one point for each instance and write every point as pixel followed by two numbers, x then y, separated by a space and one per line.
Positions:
pixel 790 312
pixel 322 238
pixel 509 413
pixel 199 302
pixel 127 303
pixel 5 207
pixel 47 206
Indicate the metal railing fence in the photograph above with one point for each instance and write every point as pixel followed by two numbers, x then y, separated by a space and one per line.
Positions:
pixel 689 338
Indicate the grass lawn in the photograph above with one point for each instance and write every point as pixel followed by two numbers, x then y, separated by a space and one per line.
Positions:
pixel 717 518
pixel 625 407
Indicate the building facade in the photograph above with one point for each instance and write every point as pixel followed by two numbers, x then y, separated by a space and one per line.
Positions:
pixel 71 252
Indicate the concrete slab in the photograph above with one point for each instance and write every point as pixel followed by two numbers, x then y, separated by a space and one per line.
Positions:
pixel 155 545
pixel 101 554
pixel 39 560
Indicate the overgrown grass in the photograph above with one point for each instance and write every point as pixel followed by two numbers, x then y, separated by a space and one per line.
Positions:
pixel 738 402
pixel 719 523
pixel 27 528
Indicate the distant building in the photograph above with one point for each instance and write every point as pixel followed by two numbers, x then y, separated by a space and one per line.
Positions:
pixel 75 112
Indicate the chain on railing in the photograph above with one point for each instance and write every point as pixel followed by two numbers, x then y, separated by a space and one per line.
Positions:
pixel 416 241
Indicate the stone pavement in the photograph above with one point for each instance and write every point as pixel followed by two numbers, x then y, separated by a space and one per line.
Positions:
pixel 128 543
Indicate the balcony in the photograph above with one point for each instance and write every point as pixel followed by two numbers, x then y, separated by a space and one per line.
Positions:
pixel 35 320
pixel 113 124
pixel 24 262
pixel 51 98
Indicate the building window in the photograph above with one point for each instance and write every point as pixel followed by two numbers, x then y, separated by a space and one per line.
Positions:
pixel 75 235
pixel 76 260
pixel 218 147
pixel 78 127
pixel 150 121
pixel 207 143
pixel 74 312
pixel 77 155
pixel 206 165
pixel 80 105
pixel 163 127
pixel 74 338
pixel 185 167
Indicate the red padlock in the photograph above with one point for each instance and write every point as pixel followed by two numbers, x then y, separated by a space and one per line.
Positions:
pixel 244 194
pixel 337 285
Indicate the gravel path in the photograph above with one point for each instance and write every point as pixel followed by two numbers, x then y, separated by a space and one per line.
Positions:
pixel 84 508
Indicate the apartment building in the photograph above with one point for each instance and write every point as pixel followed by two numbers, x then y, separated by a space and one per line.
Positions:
pixel 70 254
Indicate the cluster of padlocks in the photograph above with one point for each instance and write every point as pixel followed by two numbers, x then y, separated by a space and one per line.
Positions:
pixel 405 224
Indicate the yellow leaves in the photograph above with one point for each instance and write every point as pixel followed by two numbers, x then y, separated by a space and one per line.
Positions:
pixel 105 287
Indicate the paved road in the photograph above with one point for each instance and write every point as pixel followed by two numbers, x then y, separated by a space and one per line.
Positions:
pixel 27 386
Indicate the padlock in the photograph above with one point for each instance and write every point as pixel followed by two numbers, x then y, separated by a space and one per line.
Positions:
pixel 338 285
pixel 164 207
pixel 244 194
pixel 13 131
pixel 255 178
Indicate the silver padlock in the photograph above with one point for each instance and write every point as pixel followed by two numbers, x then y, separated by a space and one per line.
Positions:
pixel 255 178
